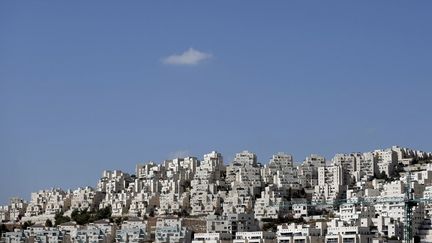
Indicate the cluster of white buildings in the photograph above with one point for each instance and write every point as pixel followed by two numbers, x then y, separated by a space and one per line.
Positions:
pixel 356 197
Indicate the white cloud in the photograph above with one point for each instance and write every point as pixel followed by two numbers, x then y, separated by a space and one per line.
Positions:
pixel 189 57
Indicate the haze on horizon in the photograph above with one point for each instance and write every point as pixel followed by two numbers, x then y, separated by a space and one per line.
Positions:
pixel 88 86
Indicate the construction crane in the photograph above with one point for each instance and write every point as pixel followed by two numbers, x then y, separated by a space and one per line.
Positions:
pixel 409 201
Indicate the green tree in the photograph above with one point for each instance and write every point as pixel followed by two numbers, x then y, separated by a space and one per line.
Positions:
pixel 3 229
pixel 382 176
pixel 26 224
pixel 48 223
pixel 60 219
pixel 104 213
pixel 118 221
pixel 186 185
pixel 81 217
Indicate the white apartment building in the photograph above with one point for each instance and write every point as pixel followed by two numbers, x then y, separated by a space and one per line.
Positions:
pixel 279 163
pixel 231 223
pixel 339 232
pixel 386 161
pixel 349 165
pixel 119 203
pixel 299 233
pixel 330 184
pixel 45 204
pixel 204 198
pixel 148 170
pixel 143 203
pixel 90 235
pixel 351 211
pixel 366 165
pixel 212 238
pixel 281 160
pixel 237 201
pixel 255 237
pixel 389 227
pixel 308 171
pixel 58 201
pixel 171 230
pixel 4 213
pixel 315 160
pixel 86 198
pixel 132 230
pixel 427 195
pixel 172 203
pixel 17 208
pixel 113 181
pixel 270 206
pixel 16 236
pixel 212 166
pixel 300 207
pixel 243 159
pixel 46 236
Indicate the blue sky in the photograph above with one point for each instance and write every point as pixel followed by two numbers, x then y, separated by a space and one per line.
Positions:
pixel 92 85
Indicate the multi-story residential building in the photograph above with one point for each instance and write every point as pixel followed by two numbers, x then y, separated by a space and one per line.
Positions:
pixel 308 171
pixel 366 166
pixel 281 165
pixel 204 198
pixel 427 195
pixel 340 232
pixel 46 235
pixel 352 211
pixel 4 213
pixel 173 203
pixel 86 198
pixel 90 235
pixel 119 203
pixel 243 163
pixel 348 200
pixel 58 201
pixel 388 227
pixel 149 170
pixel 15 236
pixel 211 167
pixel 300 207
pixel 281 161
pixel 171 230
pixel 270 206
pixel 349 165
pixel 300 233
pixel 231 223
pixel 255 237
pixel 132 230
pixel 386 161
pixel 237 201
pixel 45 204
pixel 113 181
pixel 315 160
pixel 17 208
pixel 144 204
pixel 330 183
pixel 212 238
